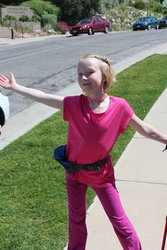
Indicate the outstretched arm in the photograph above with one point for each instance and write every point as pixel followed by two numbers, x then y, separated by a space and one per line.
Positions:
pixel 34 94
pixel 147 130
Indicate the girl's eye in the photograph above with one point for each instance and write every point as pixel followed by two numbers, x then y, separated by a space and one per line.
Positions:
pixel 86 73
pixel 90 72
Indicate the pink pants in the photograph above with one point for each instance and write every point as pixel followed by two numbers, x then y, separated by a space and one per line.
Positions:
pixel 110 201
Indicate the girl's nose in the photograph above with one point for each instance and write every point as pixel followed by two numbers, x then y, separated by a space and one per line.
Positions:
pixel 84 77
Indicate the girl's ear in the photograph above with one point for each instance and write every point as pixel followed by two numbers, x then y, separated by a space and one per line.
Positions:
pixel 104 82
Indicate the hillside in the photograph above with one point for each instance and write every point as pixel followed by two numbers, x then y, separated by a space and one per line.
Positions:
pixel 123 18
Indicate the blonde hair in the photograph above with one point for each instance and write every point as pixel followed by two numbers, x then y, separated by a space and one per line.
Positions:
pixel 105 67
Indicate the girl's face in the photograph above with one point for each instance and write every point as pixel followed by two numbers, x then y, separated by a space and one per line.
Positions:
pixel 90 77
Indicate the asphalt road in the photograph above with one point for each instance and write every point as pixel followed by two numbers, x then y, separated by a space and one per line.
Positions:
pixel 50 65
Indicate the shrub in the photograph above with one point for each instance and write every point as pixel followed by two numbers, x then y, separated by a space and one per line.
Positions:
pixel 62 27
pixel 123 7
pixel 155 7
pixel 110 3
pixel 9 18
pixel 49 20
pixel 115 27
pixel 140 4
pixel 123 17
pixel 36 18
pixel 41 7
pixel 24 18
pixel 131 3
pixel 107 4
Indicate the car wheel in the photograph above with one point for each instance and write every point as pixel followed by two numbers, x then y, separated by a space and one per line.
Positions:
pixel 106 30
pixel 90 31
pixel 149 27
pixel 157 27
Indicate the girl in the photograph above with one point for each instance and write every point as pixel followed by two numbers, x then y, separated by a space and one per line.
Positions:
pixel 95 122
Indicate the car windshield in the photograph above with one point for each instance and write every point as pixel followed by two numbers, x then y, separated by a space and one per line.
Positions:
pixel 164 18
pixel 85 21
pixel 144 19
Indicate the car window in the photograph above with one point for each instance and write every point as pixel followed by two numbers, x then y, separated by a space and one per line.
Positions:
pixel 84 21
pixel 101 20
pixel 141 19
pixel 164 18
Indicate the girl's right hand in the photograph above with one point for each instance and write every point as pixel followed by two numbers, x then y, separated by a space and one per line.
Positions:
pixel 31 93
pixel 7 83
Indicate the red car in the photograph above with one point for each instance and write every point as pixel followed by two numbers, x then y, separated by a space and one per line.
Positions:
pixel 91 25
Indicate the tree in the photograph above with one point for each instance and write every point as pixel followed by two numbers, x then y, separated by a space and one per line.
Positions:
pixel 71 11
pixel 41 7
pixel 90 7
pixel 74 10
pixel 12 2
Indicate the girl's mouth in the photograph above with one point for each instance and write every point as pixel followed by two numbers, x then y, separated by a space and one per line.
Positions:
pixel 86 84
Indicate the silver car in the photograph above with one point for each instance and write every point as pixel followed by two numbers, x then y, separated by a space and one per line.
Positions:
pixel 4 107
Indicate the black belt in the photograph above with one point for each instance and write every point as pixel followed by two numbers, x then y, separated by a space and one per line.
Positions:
pixel 60 156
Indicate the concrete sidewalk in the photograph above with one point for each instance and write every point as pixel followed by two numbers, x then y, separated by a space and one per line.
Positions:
pixel 141 172
pixel 141 175
pixel 21 40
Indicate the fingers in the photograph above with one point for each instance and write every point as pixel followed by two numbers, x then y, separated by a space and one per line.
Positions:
pixel 11 76
pixel 2 77
pixel 12 79
pixel 3 81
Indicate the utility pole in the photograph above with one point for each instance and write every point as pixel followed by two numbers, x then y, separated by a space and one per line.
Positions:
pixel 147 5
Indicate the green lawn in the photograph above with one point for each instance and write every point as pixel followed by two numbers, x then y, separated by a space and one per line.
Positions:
pixel 33 202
